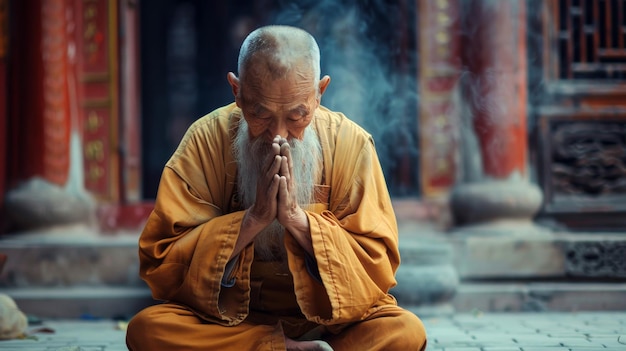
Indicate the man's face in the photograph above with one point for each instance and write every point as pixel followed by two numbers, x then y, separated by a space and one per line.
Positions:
pixel 282 107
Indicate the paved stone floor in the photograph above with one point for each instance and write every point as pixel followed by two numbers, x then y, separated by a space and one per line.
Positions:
pixel 461 332
pixel 528 331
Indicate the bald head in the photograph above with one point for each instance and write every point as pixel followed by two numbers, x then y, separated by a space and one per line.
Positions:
pixel 277 51
pixel 279 87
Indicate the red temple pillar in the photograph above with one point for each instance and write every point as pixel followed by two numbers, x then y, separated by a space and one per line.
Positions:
pixel 73 148
pixel 498 60
pixel 494 102
pixel 43 189
pixel 40 119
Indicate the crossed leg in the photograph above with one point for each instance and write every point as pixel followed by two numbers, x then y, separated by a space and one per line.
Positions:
pixel 174 327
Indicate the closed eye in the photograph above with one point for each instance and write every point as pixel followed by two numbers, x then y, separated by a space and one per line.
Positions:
pixel 296 118
pixel 261 112
pixel 299 113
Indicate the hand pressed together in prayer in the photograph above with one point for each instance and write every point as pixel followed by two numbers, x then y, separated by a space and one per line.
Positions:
pixel 276 196
pixel 289 213
pixel 288 208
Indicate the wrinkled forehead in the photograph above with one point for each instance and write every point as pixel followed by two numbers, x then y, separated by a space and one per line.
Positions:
pixel 277 98
pixel 263 68
pixel 292 87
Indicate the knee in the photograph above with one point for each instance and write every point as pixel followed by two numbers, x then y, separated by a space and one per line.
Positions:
pixel 414 335
pixel 390 329
pixel 138 328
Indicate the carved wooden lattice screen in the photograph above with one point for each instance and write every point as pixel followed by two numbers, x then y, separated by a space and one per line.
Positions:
pixel 582 120
pixel 591 38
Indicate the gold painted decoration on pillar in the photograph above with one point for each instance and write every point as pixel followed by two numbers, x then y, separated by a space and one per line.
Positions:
pixel 438 75
pixel 56 117
pixel 97 39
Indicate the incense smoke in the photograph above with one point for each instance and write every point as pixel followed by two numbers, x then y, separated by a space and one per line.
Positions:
pixel 368 50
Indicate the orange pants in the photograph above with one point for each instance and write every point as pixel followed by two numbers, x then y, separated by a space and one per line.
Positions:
pixel 273 315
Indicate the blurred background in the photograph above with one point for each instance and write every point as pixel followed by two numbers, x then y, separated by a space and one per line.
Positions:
pixel 500 125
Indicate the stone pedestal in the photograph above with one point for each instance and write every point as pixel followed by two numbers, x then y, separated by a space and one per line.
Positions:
pixel 496 207
pixel 38 203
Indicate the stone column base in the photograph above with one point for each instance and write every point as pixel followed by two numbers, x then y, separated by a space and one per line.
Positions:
pixel 496 207
pixel 38 203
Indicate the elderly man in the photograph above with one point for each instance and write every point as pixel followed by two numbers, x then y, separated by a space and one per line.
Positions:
pixel 273 227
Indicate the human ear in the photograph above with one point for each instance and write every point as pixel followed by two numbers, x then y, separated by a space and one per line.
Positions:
pixel 324 84
pixel 234 84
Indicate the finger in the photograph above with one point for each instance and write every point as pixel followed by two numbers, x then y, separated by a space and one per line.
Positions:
pixel 284 168
pixel 265 204
pixel 274 166
pixel 264 183
pixel 273 190
pixel 276 145
pixel 285 150
pixel 275 148
pixel 283 192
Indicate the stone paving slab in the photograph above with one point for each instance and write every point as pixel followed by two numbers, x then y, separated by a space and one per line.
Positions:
pixel 71 335
pixel 586 331
pixel 543 331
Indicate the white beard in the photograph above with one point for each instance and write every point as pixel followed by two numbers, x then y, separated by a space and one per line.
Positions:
pixel 252 157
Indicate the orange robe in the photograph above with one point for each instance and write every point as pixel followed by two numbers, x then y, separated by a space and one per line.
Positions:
pixel 191 233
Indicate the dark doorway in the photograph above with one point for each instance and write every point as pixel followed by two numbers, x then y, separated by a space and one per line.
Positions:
pixel 367 47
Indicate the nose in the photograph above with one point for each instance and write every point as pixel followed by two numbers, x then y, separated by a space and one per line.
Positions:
pixel 279 127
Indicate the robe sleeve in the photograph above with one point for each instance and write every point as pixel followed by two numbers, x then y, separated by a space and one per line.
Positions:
pixel 189 237
pixel 355 241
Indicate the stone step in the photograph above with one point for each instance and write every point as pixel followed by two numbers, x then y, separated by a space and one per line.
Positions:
pixel 516 250
pixel 78 256
pixel 123 302
pixel 81 302
pixel 68 257
pixel 558 255
pixel 518 270
pixel 73 271
pixel 540 296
